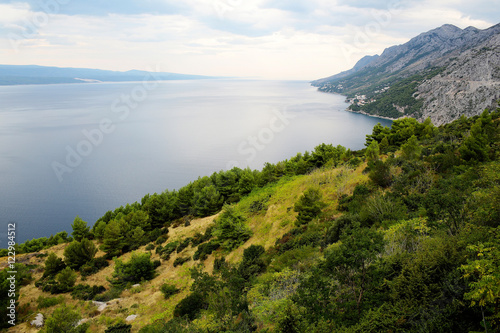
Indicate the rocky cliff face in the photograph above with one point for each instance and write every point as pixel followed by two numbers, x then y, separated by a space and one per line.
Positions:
pixel 451 71
pixel 470 83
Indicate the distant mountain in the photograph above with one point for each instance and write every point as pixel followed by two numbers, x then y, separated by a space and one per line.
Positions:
pixel 442 74
pixel 362 63
pixel 13 75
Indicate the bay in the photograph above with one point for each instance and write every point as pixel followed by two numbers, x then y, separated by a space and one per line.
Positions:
pixel 84 149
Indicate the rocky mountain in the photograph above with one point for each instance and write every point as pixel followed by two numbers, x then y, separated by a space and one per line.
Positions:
pixel 441 74
pixel 362 63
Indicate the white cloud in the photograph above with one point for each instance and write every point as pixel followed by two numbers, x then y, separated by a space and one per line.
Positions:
pixel 266 38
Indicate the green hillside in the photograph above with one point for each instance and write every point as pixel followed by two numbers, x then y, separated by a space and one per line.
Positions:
pixel 402 236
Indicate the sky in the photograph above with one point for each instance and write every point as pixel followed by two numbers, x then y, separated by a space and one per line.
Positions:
pixel 268 39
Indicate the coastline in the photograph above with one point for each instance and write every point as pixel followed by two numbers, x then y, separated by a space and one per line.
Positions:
pixel 372 115
pixel 360 112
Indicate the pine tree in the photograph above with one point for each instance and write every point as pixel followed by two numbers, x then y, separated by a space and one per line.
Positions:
pixel 309 206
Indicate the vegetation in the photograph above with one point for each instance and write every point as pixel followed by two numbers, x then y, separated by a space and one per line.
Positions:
pixel 402 236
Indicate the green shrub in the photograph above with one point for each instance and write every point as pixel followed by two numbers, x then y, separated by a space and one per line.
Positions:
pixel 190 306
pixel 206 249
pixel 168 290
pixel 64 319
pixel 181 260
pixel 150 247
pixel 138 268
pixel 77 253
pixel 183 244
pixel 119 328
pixel 86 292
pixel 53 265
pixel 94 266
pixel 66 279
pixel 230 228
pixel 167 250
pixel 108 295
pixel 309 206
pixel 162 239
pixel 47 302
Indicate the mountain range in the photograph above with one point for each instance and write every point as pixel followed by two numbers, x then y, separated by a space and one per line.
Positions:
pixel 442 74
pixel 15 75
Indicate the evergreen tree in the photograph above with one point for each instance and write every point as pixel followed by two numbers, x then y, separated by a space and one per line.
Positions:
pixel 66 280
pixel 411 149
pixel 372 152
pixel 208 201
pixel 78 253
pixel 53 265
pixel 475 146
pixel 113 240
pixel 80 229
pixel 309 206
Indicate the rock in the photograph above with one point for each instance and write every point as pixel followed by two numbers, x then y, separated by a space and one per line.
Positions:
pixel 136 285
pixel 38 321
pixel 82 321
pixel 130 318
pixel 101 306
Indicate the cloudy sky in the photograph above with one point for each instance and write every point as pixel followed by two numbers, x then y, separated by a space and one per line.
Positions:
pixel 272 39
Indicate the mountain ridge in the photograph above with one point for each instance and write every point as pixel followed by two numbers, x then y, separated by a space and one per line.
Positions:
pixel 427 60
pixel 35 74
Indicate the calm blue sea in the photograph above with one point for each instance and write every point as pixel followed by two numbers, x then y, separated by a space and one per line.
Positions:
pixel 84 149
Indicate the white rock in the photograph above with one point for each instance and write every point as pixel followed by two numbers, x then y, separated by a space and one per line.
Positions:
pixel 82 321
pixel 101 306
pixel 38 321
pixel 130 318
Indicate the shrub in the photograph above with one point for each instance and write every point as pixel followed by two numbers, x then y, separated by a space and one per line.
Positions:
pixel 162 239
pixel 230 229
pixel 47 302
pixel 252 264
pixel 138 268
pixel 53 265
pixel 78 253
pixel 190 306
pixel 94 266
pixel 380 174
pixel 64 319
pixel 167 250
pixel 206 249
pixel 119 328
pixel 66 280
pixel 86 292
pixel 181 260
pixel 309 206
pixel 168 290
pixel 108 295
pixel 183 244
pixel 150 247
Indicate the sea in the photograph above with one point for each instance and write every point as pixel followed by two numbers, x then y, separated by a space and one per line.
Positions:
pixel 70 150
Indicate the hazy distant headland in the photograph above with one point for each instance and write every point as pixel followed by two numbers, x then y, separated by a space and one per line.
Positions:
pixel 32 74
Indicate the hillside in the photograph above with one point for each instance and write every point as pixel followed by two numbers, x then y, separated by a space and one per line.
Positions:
pixel 441 74
pixel 402 236
pixel 17 75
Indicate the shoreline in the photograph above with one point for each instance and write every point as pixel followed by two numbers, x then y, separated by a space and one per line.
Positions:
pixel 372 115
pixel 359 112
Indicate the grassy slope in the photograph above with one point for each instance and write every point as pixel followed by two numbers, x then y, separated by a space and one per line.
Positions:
pixel 147 301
